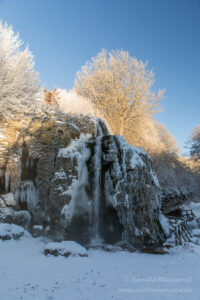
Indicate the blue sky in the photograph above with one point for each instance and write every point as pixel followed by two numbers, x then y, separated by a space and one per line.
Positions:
pixel 64 34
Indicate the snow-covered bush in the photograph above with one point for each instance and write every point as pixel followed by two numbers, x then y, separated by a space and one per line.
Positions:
pixel 71 102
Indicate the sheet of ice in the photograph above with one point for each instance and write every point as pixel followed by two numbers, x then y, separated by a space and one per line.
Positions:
pixel 74 147
pixel 136 159
pixel 76 150
pixel 27 193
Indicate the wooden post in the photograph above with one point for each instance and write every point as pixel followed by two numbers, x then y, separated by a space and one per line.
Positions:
pixel 185 232
pixel 176 236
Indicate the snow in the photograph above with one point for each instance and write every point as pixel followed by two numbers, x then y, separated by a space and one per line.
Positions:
pixel 68 211
pixel 9 199
pixel 74 126
pixel 26 273
pixel 39 227
pixel 61 174
pixel 136 159
pixel 194 206
pixel 71 103
pixel 165 224
pixel 12 230
pixel 75 146
pixel 155 178
pixel 67 246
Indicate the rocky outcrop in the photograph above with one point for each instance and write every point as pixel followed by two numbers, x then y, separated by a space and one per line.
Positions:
pixel 77 182
pixel 172 199
pixel 65 248
pixel 11 231
pixel 106 192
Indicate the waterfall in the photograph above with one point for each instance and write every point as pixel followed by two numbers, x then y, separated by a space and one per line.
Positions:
pixel 85 187
pixel 96 240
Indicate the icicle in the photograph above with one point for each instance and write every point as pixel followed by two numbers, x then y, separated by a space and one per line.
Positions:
pixel 27 193
pixel 7 181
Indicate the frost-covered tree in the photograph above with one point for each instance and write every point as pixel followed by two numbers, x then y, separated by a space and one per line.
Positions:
pixel 175 172
pixel 166 142
pixel 119 86
pixel 19 85
pixel 152 136
pixel 194 143
pixel 194 160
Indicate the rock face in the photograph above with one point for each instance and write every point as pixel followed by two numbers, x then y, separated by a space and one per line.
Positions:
pixel 172 199
pixel 77 182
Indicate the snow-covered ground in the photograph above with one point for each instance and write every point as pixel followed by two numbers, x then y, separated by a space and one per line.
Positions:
pixel 26 273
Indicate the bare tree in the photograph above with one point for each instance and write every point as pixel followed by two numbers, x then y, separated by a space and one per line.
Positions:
pixel 119 86
pixel 19 85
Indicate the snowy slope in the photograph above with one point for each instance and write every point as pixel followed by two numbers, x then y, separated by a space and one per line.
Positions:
pixel 195 206
pixel 26 273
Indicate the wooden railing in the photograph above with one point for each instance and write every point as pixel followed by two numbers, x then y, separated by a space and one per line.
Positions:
pixel 188 213
pixel 180 228
pixel 182 232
